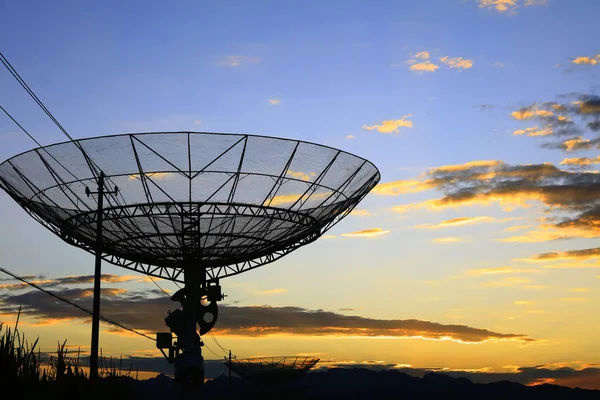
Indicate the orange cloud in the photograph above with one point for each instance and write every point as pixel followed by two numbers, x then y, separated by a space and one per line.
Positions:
pixel 584 254
pixel 517 228
pixel 500 270
pixel 457 62
pixel 18 286
pixel 568 120
pixel 498 5
pixel 367 233
pixel 427 66
pixel 449 239
pixel 538 312
pixel 581 161
pixel 508 281
pixel 360 212
pixel 431 204
pixel 546 233
pixel 534 131
pixel 528 113
pixel 485 183
pixel 286 321
pixel 578 143
pixel 113 291
pixel 559 107
pixel 461 221
pixel 391 126
pixel 52 321
pixel 589 107
pixel 524 302
pixel 508 6
pixel 465 166
pixel 396 188
pixel 508 186
pixel 508 201
pixel 587 60
pixel 153 175
pixel 573 265
pixel 300 175
pixel 294 197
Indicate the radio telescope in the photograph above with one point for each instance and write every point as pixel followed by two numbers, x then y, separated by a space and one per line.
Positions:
pixel 190 207
pixel 272 369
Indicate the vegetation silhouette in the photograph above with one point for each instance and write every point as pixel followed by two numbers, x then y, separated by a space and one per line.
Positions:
pixel 32 374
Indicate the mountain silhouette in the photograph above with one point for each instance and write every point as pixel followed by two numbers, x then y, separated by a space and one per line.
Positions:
pixel 361 383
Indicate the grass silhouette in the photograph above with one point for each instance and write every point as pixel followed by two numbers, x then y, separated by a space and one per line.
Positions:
pixel 32 373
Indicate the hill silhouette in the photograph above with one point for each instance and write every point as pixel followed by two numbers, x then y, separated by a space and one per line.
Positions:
pixel 361 383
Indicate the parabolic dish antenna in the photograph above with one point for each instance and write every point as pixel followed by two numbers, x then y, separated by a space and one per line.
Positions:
pixel 272 369
pixel 190 207
pixel 223 203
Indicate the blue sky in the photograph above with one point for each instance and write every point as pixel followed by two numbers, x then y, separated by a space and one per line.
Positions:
pixel 332 73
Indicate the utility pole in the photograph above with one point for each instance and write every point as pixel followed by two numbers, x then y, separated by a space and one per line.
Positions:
pixel 229 367
pixel 97 275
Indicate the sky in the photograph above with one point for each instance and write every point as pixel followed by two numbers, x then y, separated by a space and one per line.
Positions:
pixel 477 251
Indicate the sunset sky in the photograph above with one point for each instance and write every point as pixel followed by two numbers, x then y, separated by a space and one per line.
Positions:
pixel 477 251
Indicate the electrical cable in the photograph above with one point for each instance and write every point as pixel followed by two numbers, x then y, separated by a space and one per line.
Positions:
pixel 19 125
pixel 158 286
pixel 22 82
pixel 91 163
pixel 94 168
pixel 209 349
pixel 218 344
pixel 36 142
pixel 73 304
pixel 16 75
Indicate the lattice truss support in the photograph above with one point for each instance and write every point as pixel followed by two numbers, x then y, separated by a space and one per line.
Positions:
pixel 221 202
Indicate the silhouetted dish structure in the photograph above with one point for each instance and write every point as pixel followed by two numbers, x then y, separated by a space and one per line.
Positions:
pixel 272 368
pixel 191 207
pixel 224 203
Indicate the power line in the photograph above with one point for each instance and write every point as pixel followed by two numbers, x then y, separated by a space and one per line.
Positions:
pixel 158 286
pixel 73 304
pixel 36 142
pixel 19 125
pixel 217 342
pixel 91 164
pixel 16 75
pixel 209 349
pixel 94 168
pixel 97 173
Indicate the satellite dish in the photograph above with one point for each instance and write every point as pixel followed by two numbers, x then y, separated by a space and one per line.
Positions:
pixel 190 207
pixel 272 369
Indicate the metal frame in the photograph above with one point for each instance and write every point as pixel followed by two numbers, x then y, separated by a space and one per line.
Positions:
pixel 159 238
pixel 272 367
